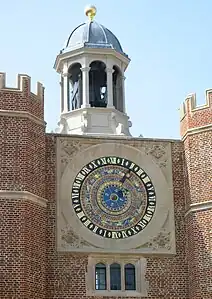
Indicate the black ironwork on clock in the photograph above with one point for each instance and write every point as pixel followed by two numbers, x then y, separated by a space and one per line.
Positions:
pixel 113 197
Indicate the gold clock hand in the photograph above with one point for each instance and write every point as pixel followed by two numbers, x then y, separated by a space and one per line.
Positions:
pixel 126 176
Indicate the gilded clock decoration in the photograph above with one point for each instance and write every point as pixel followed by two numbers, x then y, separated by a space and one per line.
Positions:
pixel 113 197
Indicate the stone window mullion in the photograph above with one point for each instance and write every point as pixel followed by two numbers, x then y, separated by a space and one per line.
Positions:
pixel 138 276
pixel 108 276
pixel 119 266
pixel 122 277
pixel 93 267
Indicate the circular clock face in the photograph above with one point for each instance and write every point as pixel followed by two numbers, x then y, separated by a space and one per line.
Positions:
pixel 113 197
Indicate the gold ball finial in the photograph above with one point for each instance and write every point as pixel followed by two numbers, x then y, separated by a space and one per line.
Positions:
pixel 90 12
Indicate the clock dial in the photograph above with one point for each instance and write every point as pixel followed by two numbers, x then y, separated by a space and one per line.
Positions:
pixel 113 197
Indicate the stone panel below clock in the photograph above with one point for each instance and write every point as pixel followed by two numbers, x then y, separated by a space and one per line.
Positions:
pixel 113 198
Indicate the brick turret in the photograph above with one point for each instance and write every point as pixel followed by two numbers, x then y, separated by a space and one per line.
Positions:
pixel 22 189
pixel 196 131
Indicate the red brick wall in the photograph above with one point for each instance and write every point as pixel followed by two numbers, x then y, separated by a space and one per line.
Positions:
pixel 199 249
pixel 168 276
pixel 198 167
pixel 22 140
pixel 198 189
pixel 22 223
pixel 23 250
pixel 22 155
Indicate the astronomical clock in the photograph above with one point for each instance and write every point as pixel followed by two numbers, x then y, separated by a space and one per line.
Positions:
pixel 114 198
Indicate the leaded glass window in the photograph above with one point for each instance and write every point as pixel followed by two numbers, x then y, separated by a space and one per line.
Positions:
pixel 100 275
pixel 129 273
pixel 115 277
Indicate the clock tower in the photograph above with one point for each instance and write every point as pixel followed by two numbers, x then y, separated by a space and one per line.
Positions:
pixel 115 201
pixel 90 211
pixel 92 66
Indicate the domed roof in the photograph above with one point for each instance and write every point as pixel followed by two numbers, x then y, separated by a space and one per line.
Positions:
pixel 92 35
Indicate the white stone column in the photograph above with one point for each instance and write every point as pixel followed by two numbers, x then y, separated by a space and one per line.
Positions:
pixel 85 87
pixel 122 277
pixel 65 92
pixel 61 94
pixel 108 277
pixel 109 87
pixel 123 93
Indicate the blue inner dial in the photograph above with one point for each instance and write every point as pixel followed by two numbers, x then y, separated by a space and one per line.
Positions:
pixel 114 198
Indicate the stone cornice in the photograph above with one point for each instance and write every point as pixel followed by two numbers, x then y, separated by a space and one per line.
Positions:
pixel 22 114
pixel 24 195
pixel 200 206
pixel 197 130
pixel 81 51
pixel 114 139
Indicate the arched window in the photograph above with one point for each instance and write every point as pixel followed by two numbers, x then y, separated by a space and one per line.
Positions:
pixel 129 273
pixel 117 89
pixel 75 87
pixel 100 275
pixel 115 277
pixel 97 84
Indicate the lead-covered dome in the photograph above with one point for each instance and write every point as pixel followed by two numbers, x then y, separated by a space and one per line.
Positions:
pixel 92 35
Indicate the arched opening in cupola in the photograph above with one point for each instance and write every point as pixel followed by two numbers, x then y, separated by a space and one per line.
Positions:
pixel 118 89
pixel 75 86
pixel 97 84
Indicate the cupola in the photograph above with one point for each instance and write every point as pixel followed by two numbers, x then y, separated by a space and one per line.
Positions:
pixel 92 66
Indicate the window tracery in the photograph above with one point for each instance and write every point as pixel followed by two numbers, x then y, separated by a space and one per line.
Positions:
pixel 116 276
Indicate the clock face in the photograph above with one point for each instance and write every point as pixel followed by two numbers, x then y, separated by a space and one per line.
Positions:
pixel 113 197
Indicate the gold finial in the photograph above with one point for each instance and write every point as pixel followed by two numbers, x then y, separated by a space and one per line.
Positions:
pixel 90 12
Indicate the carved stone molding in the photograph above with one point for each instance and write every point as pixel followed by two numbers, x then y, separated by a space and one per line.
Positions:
pixel 23 114
pixel 74 153
pixel 24 196
pixel 158 153
pixel 70 239
pixel 162 240
pixel 118 127
pixel 84 122
pixel 68 149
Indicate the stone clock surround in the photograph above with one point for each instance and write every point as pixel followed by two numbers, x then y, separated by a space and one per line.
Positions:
pixel 69 226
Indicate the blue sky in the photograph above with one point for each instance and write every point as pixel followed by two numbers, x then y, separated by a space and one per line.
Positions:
pixel 169 43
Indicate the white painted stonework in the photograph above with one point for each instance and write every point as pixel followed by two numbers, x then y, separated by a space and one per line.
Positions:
pixel 153 157
pixel 94 121
pixel 88 120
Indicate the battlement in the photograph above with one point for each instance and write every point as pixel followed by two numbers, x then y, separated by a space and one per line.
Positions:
pixel 21 98
pixel 190 105
pixel 192 116
pixel 23 81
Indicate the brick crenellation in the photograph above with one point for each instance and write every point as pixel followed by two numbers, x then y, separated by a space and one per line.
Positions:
pixel 193 117
pixel 21 98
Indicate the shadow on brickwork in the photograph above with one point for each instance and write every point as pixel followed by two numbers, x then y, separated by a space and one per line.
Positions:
pixel 198 245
